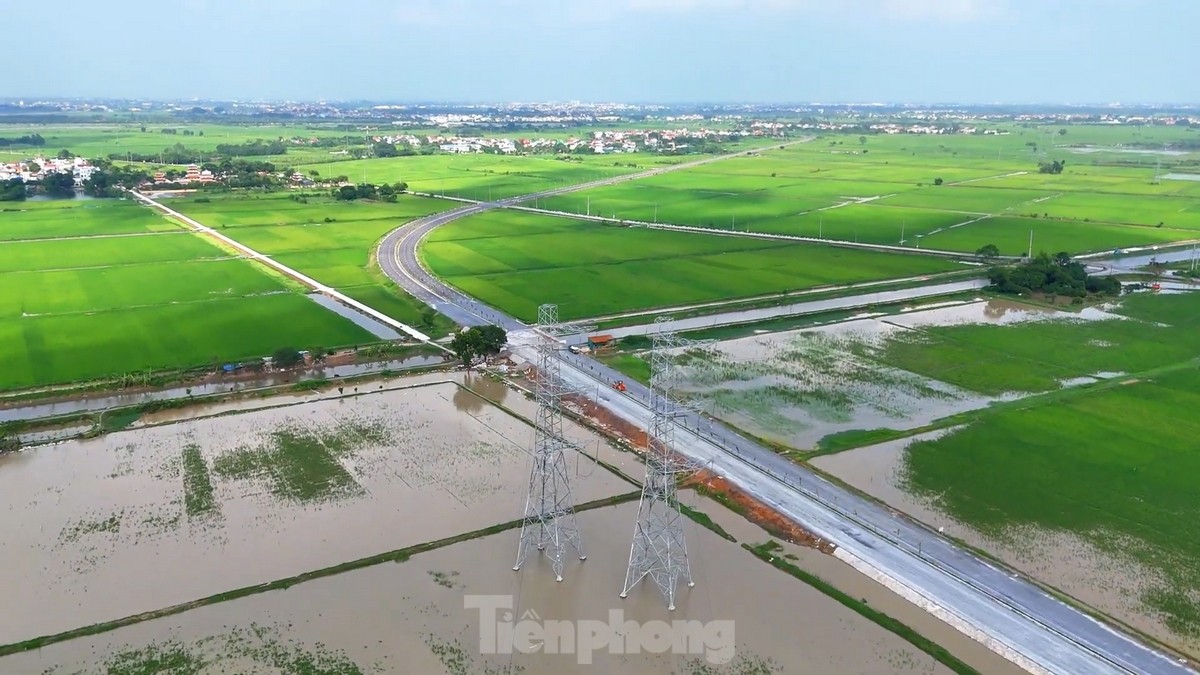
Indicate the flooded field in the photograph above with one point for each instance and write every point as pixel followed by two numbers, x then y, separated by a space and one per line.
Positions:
pixel 412 617
pixel 1061 559
pixel 150 517
pixel 796 387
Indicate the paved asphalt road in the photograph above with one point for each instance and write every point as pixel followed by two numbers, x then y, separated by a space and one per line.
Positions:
pixel 1003 609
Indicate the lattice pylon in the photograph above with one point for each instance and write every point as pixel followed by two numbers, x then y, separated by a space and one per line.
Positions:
pixel 548 523
pixel 659 550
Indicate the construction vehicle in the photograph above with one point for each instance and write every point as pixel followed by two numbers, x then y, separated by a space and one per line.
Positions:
pixel 620 385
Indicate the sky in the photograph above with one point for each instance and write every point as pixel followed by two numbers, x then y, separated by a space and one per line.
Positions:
pixel 638 51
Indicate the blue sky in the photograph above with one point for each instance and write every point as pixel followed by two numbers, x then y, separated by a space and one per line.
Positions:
pixel 973 51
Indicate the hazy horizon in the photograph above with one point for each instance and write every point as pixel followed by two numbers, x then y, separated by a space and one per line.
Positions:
pixel 782 52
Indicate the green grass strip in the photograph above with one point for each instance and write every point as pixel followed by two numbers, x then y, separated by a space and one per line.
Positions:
pixel 396 556
pixel 770 553
pixel 703 519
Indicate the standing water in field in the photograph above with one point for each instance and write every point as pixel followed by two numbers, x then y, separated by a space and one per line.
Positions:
pixel 146 518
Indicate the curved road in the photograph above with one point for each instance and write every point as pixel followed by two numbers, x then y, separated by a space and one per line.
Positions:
pixel 1000 608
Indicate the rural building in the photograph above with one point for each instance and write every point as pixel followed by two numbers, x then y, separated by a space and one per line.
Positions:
pixel 600 341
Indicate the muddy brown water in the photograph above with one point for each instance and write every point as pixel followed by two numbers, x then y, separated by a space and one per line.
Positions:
pixel 1107 581
pixel 146 518
pixel 410 617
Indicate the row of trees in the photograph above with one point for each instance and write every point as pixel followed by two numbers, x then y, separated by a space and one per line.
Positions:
pixel 1058 275
pixel 35 140
pixel 181 154
pixel 385 192
pixel 478 341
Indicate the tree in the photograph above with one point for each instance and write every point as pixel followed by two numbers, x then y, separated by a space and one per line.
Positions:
pixel 12 190
pixel 478 341
pixel 346 193
pixel 465 346
pixel 59 184
pixel 491 339
pixel 384 150
pixel 286 357
pixel 988 252
pixel 1062 132
pixel 33 167
pixel 65 154
pixel 1055 167
pixel 938 181
pixel 1062 258
pixel 862 140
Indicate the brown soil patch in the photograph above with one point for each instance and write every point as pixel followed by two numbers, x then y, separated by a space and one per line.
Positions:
pixel 756 512
pixel 608 423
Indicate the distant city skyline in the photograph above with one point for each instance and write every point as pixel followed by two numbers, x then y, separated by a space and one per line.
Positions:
pixel 635 51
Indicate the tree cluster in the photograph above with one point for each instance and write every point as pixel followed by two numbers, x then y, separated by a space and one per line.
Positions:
pixel 478 341
pixel 28 139
pixel 286 357
pixel 384 193
pixel 1059 275
pixel 107 180
pixel 12 190
pixel 181 154
pixel 1054 167
pixel 58 184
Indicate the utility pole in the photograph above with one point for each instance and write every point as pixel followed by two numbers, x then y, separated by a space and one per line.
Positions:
pixel 821 226
pixel 1030 254
pixel 589 205
pixel 659 550
pixel 549 520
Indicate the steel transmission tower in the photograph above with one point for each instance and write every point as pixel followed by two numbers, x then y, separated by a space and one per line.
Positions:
pixel 659 550
pixel 549 520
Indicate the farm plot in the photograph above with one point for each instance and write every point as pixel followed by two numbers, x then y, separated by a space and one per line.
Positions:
pixel 483 177
pixel 590 269
pixel 1090 493
pixel 330 241
pixel 1085 487
pixel 239 500
pixel 811 190
pixel 1012 236
pixel 409 616
pixel 1144 332
pixel 95 306
pixel 75 218
pixel 795 388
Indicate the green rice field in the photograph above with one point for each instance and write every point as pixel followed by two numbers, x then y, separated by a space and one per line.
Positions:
pixel 516 261
pixel 97 305
pixel 1115 466
pixel 950 192
pixel 484 177
pixel 331 241
pixel 76 218
pixel 1143 333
